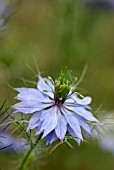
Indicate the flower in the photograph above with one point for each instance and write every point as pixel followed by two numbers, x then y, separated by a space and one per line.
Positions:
pixel 10 143
pixel 5 12
pixel 104 132
pixel 7 8
pixel 103 4
pixel 57 110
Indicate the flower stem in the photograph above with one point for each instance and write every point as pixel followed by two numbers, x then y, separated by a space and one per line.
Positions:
pixel 29 152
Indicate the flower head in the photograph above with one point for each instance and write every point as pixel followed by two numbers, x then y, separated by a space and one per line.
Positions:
pixel 57 110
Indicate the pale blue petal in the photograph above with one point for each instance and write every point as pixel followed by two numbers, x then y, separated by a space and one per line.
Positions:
pixel 70 102
pixel 31 94
pixel 73 134
pixel 51 137
pixel 85 101
pixel 83 123
pixel 33 122
pixel 87 107
pixel 46 113
pixel 39 130
pixel 82 112
pixel 50 121
pixel 85 126
pixel 29 106
pixel 73 123
pixel 86 114
pixel 43 87
pixel 61 127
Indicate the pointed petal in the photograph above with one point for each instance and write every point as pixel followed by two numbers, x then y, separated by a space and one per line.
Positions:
pixel 51 137
pixel 61 127
pixel 86 114
pixel 82 112
pixel 30 106
pixel 85 126
pixel 30 94
pixel 71 103
pixel 85 101
pixel 49 120
pixel 33 123
pixel 83 123
pixel 39 130
pixel 72 133
pixel 73 123
pixel 43 86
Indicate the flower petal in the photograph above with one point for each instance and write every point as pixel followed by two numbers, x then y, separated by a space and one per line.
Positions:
pixel 83 123
pixel 33 123
pixel 70 103
pixel 49 120
pixel 51 137
pixel 72 133
pixel 32 100
pixel 73 123
pixel 61 127
pixel 30 94
pixel 85 126
pixel 46 88
pixel 85 101
pixel 30 106
pixel 82 112
pixel 39 130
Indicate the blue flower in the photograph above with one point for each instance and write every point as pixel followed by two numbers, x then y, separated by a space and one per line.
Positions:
pixel 4 14
pixel 6 11
pixel 57 110
pixel 103 4
pixel 10 143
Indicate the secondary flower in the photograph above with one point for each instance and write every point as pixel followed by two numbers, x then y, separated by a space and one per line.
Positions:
pixel 5 12
pixel 10 143
pixel 103 4
pixel 7 9
pixel 57 110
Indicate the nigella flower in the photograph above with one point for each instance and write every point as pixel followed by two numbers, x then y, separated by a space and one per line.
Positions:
pixel 56 109
pixel 6 11
pixel 4 14
pixel 10 143
pixel 104 132
pixel 103 4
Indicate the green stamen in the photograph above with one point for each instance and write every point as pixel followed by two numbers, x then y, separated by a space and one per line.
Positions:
pixel 62 88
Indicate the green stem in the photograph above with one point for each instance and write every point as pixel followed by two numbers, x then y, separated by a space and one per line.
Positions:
pixel 29 152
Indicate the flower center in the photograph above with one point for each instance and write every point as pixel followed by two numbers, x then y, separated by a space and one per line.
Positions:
pixel 62 88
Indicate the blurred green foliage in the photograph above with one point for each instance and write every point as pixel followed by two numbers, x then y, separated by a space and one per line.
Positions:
pixel 51 34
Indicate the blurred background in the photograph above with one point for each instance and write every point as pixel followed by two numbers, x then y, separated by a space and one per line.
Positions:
pixel 47 35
